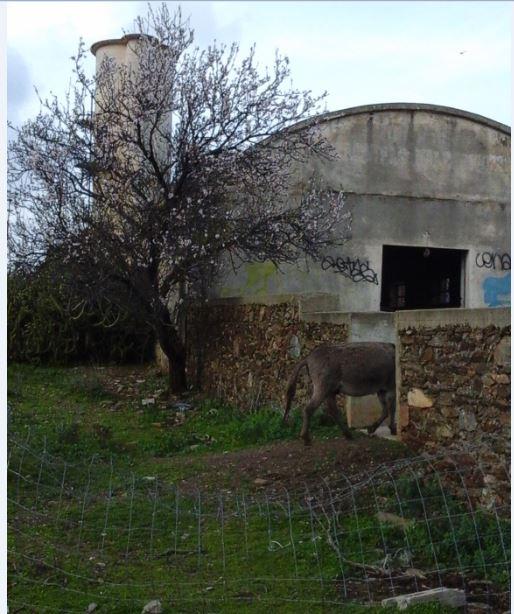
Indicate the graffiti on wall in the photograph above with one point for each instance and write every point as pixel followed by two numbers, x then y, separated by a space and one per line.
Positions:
pixel 497 291
pixel 493 260
pixel 356 270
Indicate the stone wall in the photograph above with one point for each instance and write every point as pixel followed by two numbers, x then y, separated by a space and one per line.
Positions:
pixel 454 392
pixel 245 353
pixel 453 367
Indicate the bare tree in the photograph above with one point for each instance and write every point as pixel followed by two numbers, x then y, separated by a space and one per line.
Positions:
pixel 152 173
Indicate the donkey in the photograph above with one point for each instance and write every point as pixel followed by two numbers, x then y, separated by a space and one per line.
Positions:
pixel 353 369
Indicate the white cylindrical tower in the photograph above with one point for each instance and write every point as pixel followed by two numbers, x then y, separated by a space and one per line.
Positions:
pixel 126 52
pixel 122 50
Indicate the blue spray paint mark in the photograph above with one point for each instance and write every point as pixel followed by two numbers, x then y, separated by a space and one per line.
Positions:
pixel 497 291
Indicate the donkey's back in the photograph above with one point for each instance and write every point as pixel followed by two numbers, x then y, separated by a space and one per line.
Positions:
pixel 354 369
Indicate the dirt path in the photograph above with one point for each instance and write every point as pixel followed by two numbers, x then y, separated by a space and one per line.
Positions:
pixel 271 467
pixel 288 464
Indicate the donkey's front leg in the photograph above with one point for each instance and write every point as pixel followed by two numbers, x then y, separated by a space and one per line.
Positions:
pixel 333 410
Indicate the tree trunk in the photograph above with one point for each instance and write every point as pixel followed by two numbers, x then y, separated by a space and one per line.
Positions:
pixel 177 373
pixel 175 351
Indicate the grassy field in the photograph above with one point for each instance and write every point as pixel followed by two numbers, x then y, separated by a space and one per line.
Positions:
pixel 119 497
pixel 80 415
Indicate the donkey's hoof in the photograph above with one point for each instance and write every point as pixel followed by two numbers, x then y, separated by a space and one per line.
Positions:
pixel 371 429
pixel 348 434
pixel 307 441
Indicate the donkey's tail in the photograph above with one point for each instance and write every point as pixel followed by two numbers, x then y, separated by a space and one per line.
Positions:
pixel 291 386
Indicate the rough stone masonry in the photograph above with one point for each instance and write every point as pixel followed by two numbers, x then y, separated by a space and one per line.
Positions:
pixel 453 374
pixel 245 353
pixel 455 396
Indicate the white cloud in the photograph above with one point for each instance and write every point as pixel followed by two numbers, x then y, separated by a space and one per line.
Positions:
pixel 42 20
pixel 359 52
pixel 42 36
pixel 405 49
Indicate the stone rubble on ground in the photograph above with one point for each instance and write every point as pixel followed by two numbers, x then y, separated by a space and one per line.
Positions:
pixel 182 406
pixel 152 607
pixel 448 596
pixel 393 519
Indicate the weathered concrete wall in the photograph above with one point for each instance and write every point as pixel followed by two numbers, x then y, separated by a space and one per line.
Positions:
pixel 420 151
pixel 453 372
pixel 122 50
pixel 414 175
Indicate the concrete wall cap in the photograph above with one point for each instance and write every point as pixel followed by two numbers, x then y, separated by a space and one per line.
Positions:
pixel 402 106
pixel 116 41
pixel 480 317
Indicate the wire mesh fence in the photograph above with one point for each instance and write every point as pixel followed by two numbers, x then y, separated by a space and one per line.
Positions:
pixel 88 533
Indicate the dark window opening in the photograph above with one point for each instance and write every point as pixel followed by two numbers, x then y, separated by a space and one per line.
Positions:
pixel 421 278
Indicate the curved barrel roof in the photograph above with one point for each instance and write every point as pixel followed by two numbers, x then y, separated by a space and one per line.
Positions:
pixel 414 150
pixel 405 106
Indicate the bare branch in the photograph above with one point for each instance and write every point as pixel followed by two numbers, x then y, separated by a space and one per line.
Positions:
pixel 154 172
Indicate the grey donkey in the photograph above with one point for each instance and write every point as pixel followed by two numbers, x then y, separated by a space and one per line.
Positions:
pixel 353 369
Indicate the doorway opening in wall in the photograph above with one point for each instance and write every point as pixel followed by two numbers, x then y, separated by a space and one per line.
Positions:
pixel 421 278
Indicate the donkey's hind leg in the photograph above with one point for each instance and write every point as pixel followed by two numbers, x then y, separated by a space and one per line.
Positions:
pixel 334 411
pixel 385 401
pixel 308 411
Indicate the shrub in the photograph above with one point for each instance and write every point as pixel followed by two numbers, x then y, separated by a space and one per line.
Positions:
pixel 41 329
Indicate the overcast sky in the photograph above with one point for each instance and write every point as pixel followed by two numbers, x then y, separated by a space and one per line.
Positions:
pixel 449 53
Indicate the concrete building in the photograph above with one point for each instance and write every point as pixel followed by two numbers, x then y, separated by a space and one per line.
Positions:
pixel 428 188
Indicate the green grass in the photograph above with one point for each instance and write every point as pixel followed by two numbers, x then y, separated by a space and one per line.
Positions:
pixel 94 515
pixel 73 412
